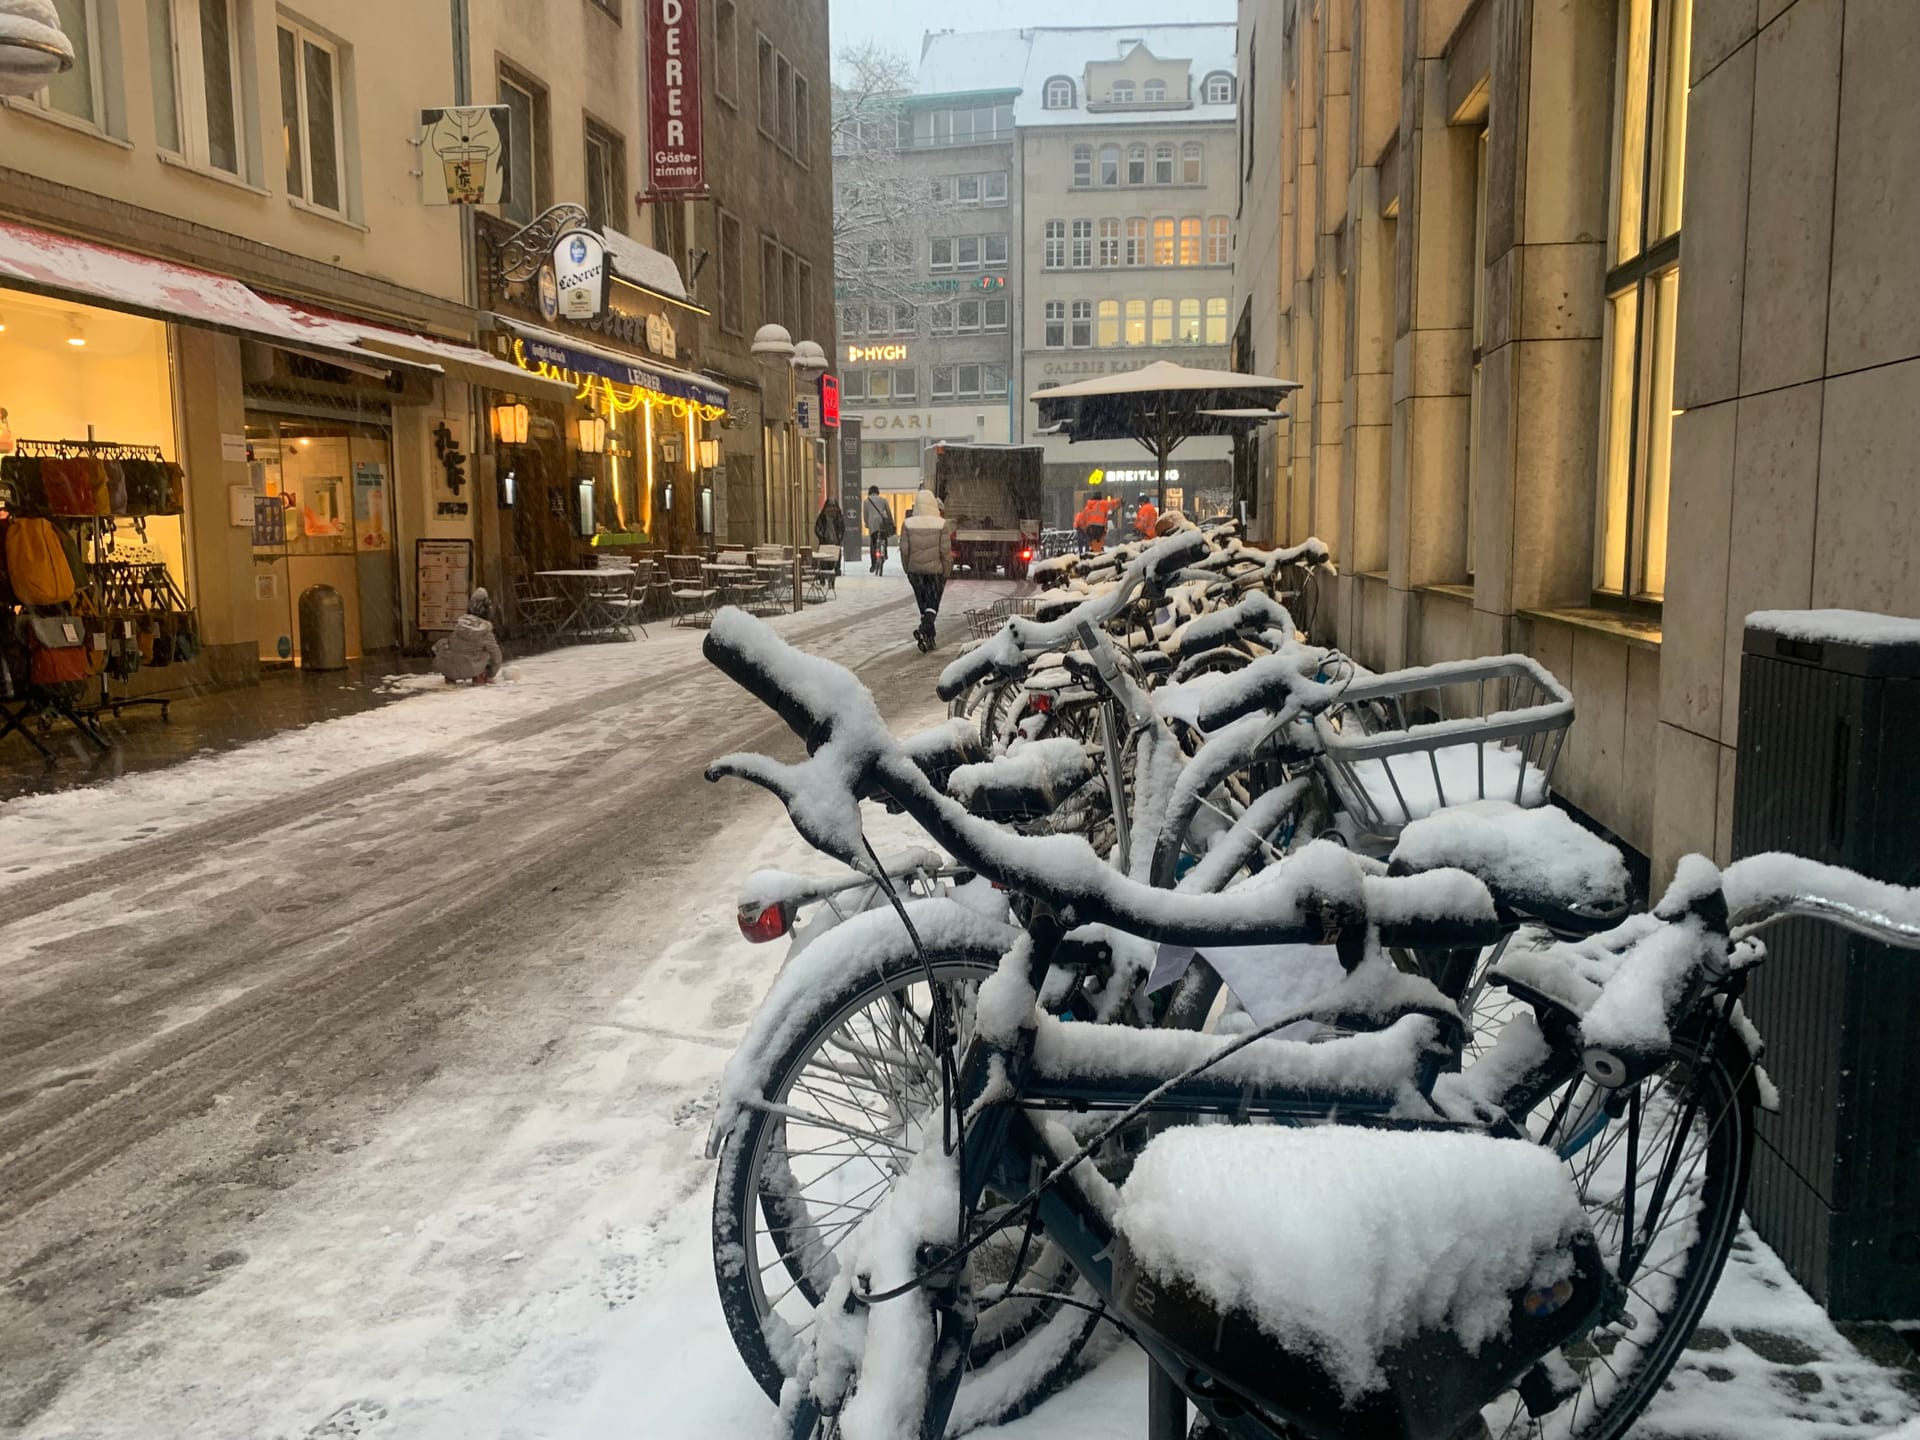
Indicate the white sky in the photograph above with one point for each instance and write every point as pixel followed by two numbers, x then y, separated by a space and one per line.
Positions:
pixel 899 24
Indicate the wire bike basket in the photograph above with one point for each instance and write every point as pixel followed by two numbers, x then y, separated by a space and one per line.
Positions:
pixel 985 619
pixel 1401 746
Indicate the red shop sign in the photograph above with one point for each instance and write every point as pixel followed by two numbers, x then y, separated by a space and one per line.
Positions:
pixel 676 152
pixel 829 402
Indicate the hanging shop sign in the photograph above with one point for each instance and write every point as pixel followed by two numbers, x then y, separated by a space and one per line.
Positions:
pixel 464 154
pixel 548 291
pixel 676 161
pixel 581 274
pixel 590 370
pixel 830 402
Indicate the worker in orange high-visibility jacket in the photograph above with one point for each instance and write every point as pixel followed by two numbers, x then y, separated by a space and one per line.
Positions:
pixel 1091 522
pixel 1145 518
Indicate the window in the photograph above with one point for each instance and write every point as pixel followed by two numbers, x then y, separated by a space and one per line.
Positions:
pixel 940 320
pixel 198 70
pixel 1137 241
pixel 310 123
pixel 903 319
pixel 1217 320
pixel 1054 252
pixel 993 380
pixel 853 385
pixel 726 51
pixel 769 91
pixel 526 146
pixel 790 294
pixel 606 179
pixel 733 280
pixel 904 383
pixel 966 252
pixel 1643 292
pixel 1109 164
pixel 941 255
pixel 996 312
pixel 994 249
pixel 968 381
pixel 1163 164
pixel 1190 240
pixel 1136 164
pixel 1163 321
pixel 1082 324
pixel 1219 240
pixel 1082 166
pixel 1109 323
pixel 1191 171
pixel 1109 243
pixel 942 388
pixel 1154 92
pixel 1188 330
pixel 78 92
pixel 1053 334
pixel 1136 332
pixel 783 84
pixel 1121 93
pixel 803 121
pixel 993 190
pixel 1163 250
pixel 1082 254
pixel 880 384
pixel 940 190
pixel 1219 88
pixel 879 319
pixel 769 278
pixel 853 320
pixel 966 189
pixel 967 317
pixel 1059 93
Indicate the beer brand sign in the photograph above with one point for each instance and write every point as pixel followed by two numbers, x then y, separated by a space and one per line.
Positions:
pixel 676 153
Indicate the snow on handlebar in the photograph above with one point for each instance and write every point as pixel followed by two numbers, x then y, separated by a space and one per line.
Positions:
pixel 1309 897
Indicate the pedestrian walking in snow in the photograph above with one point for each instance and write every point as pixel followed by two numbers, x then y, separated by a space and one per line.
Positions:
pixel 830 529
pixel 878 516
pixel 469 651
pixel 926 553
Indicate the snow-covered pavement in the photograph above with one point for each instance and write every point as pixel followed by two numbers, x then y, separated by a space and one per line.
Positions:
pixel 356 1083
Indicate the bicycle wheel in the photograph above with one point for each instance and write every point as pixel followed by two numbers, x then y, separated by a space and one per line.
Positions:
pixel 1696 1123
pixel 855 1091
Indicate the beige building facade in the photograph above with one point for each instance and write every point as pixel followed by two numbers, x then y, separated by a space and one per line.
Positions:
pixel 1606 342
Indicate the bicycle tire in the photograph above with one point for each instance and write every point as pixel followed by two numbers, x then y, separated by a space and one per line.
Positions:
pixel 1627 1369
pixel 746 1190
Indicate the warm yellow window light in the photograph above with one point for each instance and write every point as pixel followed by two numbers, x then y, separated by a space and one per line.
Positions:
pixel 709 454
pixel 510 423
pixel 593 434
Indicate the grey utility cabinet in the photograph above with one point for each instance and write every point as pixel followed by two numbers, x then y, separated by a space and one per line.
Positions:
pixel 1829 767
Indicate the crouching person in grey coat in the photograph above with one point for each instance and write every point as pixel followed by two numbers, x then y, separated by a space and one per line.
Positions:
pixel 469 651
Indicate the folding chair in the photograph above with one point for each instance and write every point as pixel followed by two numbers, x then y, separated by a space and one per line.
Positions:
pixel 692 596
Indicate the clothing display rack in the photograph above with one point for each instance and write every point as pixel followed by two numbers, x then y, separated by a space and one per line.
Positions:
pixel 117 590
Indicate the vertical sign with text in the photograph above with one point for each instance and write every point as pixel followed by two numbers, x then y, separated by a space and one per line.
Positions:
pixel 676 154
pixel 850 486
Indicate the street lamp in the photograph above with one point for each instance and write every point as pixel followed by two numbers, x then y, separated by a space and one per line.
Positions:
pixel 774 349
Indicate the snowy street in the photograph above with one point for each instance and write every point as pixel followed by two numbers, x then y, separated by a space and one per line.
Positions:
pixel 356 1082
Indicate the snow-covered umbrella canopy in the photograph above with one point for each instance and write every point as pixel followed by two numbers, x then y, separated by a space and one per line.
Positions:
pixel 1161 405
pixel 33 48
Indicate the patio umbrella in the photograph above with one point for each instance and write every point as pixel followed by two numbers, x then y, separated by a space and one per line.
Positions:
pixel 1160 406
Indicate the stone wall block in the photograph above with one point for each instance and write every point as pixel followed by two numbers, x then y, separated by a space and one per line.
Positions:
pixel 1866 543
pixel 1698 520
pixel 1713 236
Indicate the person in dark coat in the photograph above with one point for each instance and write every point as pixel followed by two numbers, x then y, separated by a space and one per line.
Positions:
pixel 830 528
pixel 878 518
pixel 470 651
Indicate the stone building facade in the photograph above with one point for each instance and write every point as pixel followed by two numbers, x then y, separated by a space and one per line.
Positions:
pixel 1603 339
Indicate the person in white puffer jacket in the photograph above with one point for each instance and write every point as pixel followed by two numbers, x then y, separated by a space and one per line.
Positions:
pixel 469 651
pixel 926 554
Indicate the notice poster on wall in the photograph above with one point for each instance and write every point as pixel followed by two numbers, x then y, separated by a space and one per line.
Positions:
pixel 443 577
pixel 370 504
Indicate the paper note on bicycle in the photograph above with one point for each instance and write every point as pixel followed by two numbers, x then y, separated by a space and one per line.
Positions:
pixel 1268 980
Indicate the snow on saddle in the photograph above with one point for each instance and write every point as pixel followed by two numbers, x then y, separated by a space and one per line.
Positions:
pixel 1363 1282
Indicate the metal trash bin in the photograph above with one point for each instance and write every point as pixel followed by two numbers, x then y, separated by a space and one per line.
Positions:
pixel 323 629
pixel 1829 706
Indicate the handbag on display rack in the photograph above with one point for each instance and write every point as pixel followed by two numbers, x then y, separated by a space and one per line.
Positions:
pixel 58 644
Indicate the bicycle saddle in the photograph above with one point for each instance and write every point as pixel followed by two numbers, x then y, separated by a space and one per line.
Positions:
pixel 1371 1284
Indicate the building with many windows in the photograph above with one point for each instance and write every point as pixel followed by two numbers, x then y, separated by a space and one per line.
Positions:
pixel 1608 339
pixel 1062 207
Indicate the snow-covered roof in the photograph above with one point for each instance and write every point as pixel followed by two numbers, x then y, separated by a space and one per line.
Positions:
pixel 960 62
pixel 644 265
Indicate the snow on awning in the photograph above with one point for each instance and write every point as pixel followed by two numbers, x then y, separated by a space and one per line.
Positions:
pixel 564 353
pixel 91 274
pixel 646 268
pixel 450 357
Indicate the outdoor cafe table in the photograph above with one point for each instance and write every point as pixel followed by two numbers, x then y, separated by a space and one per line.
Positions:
pixel 586 616
pixel 735 582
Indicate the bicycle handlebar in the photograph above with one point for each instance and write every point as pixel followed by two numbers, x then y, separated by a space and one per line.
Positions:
pixel 1311 897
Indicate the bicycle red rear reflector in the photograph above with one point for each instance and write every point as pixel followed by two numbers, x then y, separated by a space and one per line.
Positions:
pixel 768 924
